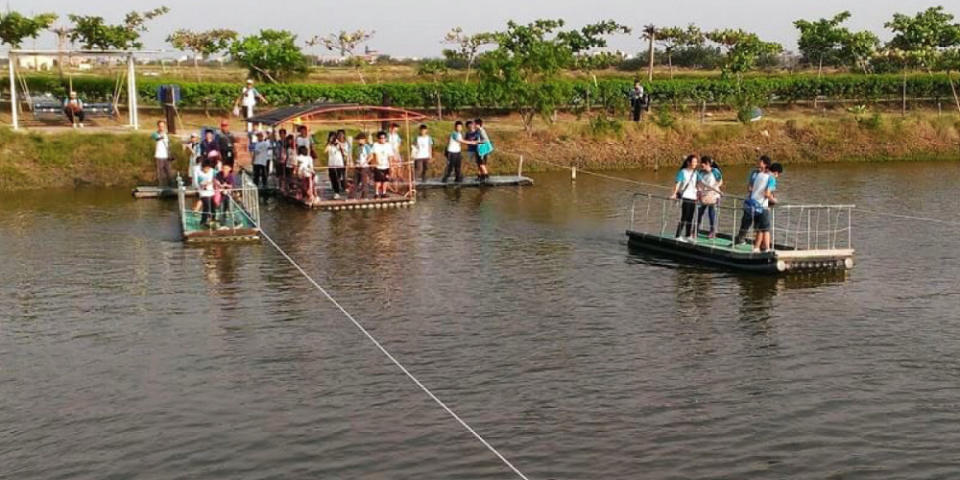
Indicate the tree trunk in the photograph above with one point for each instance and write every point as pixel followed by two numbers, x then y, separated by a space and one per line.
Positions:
pixel 903 95
pixel 820 68
pixel 466 79
pixel 650 69
pixel 439 107
pixel 196 67
pixel 953 89
pixel 670 63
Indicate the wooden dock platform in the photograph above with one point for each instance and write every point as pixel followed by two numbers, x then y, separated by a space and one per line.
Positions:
pixel 153 192
pixel 327 203
pixel 493 181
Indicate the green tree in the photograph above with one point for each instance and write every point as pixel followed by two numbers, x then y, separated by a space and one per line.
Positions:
pixel 650 35
pixel 528 57
pixel 92 31
pixel 346 43
pixel 923 36
pixel 202 44
pixel 436 70
pixel 467 47
pixel 822 39
pixel 856 49
pixel 742 51
pixel 272 55
pixel 673 38
pixel 15 28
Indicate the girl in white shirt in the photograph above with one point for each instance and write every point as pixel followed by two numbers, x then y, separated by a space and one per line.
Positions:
pixel 336 166
pixel 686 191
pixel 305 172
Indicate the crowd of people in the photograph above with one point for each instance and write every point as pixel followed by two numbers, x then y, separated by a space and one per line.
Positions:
pixel 699 189
pixel 357 167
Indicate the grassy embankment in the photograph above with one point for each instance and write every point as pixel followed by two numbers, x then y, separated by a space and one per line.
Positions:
pixel 41 160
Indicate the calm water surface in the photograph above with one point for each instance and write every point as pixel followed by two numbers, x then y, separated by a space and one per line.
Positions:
pixel 124 354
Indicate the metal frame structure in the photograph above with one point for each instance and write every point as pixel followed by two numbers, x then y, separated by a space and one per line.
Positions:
pixel 132 101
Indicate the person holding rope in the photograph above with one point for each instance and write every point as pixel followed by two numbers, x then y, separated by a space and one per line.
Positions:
pixel 685 190
pixel 747 221
pixel 709 183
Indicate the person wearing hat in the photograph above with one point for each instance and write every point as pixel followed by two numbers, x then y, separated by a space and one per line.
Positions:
pixel 225 143
pixel 193 147
pixel 161 154
pixel 73 108
pixel 247 100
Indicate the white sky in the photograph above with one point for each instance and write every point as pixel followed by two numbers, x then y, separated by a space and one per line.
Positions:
pixel 415 28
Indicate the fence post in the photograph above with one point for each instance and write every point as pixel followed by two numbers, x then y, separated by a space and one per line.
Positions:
pixel 520 167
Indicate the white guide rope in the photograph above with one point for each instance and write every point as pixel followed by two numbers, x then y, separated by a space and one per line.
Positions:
pixel 385 352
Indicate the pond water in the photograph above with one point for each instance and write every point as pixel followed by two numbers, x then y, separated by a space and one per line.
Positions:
pixel 125 354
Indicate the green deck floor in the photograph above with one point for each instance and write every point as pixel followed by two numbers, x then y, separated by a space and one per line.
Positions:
pixel 721 243
pixel 233 218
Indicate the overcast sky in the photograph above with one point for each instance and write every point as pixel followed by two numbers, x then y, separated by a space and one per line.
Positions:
pixel 414 28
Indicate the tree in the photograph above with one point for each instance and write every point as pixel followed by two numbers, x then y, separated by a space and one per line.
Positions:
pixel 519 72
pixel 93 32
pixel 822 39
pixel 650 34
pixel 920 41
pixel 272 55
pixel 15 28
pixel 467 47
pixel 202 44
pixel 346 43
pixel 672 38
pixel 857 48
pixel 742 50
pixel 437 71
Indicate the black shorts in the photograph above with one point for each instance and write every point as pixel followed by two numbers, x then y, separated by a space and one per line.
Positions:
pixel 381 175
pixel 761 220
pixel 454 156
pixel 481 160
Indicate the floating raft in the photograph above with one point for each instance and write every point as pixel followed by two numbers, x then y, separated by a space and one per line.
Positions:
pixel 492 181
pixel 236 227
pixel 149 191
pixel 327 203
pixel 721 252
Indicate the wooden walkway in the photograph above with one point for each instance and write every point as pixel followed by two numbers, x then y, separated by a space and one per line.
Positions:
pixel 493 181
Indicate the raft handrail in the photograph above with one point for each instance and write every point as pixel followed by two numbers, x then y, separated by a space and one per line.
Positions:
pixel 828 231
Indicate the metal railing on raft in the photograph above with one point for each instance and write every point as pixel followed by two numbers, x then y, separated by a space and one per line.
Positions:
pixel 246 197
pixel 793 227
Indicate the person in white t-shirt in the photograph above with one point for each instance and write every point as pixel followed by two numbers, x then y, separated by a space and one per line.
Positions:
pixel 685 190
pixel 383 154
pixel 161 153
pixel 262 150
pixel 247 101
pixel 423 151
pixel 336 166
pixel 305 173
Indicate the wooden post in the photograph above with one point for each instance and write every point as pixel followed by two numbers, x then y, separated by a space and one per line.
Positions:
pixel 573 173
pixel 169 109
pixel 13 92
pixel 520 167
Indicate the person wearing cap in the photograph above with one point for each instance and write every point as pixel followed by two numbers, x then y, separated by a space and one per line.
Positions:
pixel 193 147
pixel 73 108
pixel 225 143
pixel 247 100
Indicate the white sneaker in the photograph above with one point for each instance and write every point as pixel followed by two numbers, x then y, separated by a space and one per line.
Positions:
pixel 74 125
pixel 336 196
pixel 81 125
pixel 756 250
pixel 692 239
pixel 683 239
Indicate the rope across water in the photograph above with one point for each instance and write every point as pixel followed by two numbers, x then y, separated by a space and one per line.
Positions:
pixel 386 352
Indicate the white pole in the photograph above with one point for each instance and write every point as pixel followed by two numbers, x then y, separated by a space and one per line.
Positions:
pixel 132 94
pixel 520 167
pixel 13 92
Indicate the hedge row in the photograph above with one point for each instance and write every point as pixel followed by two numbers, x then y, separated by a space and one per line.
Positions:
pixel 570 92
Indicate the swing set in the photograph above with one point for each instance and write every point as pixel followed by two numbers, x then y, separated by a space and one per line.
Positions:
pixel 47 107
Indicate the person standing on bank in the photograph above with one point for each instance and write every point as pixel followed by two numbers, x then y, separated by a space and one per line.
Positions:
pixel 247 101
pixel 226 144
pixel 685 190
pixel 637 101
pixel 161 154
